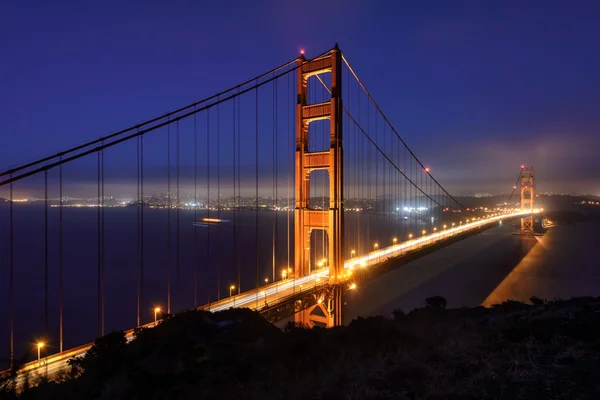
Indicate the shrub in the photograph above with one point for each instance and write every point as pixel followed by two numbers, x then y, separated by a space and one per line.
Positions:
pixel 536 301
pixel 436 302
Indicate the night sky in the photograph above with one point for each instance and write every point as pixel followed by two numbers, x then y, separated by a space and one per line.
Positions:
pixel 476 88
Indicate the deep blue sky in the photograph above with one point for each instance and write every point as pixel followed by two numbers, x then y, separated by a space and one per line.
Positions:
pixel 476 88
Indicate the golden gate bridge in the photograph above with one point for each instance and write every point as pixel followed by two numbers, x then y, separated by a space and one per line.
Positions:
pixel 279 194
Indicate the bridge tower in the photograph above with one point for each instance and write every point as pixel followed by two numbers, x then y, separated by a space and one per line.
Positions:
pixel 527 195
pixel 306 219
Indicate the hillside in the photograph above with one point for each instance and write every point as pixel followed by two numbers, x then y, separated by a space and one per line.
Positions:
pixel 513 350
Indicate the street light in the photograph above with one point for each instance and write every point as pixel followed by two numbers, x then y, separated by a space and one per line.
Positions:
pixel 445 226
pixel 231 288
pixel 266 281
pixel 424 232
pixel 376 245
pixel 265 294
pixel 394 240
pixel 410 235
pixel 434 229
pixel 352 253
pixel 156 311
pixel 283 274
pixel 39 347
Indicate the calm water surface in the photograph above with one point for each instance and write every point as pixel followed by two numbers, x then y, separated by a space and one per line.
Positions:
pixel 483 269
pixel 489 268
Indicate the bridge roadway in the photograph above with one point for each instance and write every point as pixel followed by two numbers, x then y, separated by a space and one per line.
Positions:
pixel 271 293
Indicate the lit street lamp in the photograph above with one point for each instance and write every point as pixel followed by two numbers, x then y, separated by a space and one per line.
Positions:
pixel 394 240
pixel 283 274
pixel 264 293
pixel 39 347
pixel 231 288
pixel 352 254
pixel 156 311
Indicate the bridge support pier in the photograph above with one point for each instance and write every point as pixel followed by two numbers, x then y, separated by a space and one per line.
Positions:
pixel 307 219
pixel 326 313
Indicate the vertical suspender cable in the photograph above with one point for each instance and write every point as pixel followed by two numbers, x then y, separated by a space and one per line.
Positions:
pixel 138 231
pixel 274 223
pixel 46 251
pixel 11 293
pixel 323 179
pixel 369 180
pixel 60 260
pixel 288 150
pixel 141 275
pixel 256 192
pixel 377 209
pixel 218 201
pixel 102 240
pixel 404 183
pixel 276 165
pixel 206 270
pixel 178 205
pixel 169 219
pixel 99 259
pixel 235 212
pixel 239 171
pixel 361 174
pixel 195 211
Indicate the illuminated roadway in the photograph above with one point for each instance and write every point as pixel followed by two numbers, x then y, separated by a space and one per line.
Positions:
pixel 257 298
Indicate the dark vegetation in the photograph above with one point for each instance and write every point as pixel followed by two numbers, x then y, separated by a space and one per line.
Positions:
pixel 545 350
